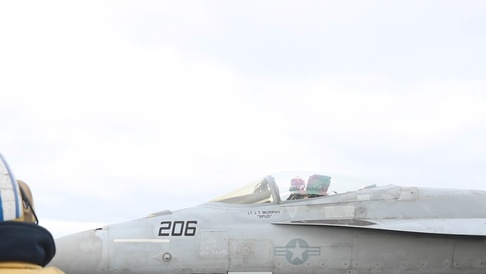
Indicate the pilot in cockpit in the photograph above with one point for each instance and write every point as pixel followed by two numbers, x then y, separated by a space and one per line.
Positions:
pixel 297 189
pixel 317 186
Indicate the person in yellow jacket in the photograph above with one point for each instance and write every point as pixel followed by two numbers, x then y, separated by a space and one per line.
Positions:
pixel 25 247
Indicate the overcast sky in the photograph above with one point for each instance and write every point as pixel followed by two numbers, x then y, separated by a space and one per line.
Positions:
pixel 112 110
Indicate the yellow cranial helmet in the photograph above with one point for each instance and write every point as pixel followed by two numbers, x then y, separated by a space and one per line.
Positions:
pixel 15 197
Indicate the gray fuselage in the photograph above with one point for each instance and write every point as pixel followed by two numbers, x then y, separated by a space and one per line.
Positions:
pixel 379 230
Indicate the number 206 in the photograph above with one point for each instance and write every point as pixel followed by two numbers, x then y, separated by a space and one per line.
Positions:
pixel 178 228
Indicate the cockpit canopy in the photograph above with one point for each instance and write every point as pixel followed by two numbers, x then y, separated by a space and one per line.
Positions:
pixel 290 186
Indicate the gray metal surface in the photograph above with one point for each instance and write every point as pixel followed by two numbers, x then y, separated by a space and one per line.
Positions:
pixel 387 229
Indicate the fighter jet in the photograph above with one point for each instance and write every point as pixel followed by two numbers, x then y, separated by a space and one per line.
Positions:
pixel 295 222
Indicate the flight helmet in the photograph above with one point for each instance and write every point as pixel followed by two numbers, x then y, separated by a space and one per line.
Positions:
pixel 16 202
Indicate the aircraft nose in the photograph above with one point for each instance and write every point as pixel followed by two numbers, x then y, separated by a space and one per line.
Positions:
pixel 83 253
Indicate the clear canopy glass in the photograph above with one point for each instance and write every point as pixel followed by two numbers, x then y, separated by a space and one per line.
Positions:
pixel 290 186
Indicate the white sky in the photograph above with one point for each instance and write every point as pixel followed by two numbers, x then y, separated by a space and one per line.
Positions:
pixel 113 110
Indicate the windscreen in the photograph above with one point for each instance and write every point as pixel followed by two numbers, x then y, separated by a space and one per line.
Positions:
pixel 257 192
